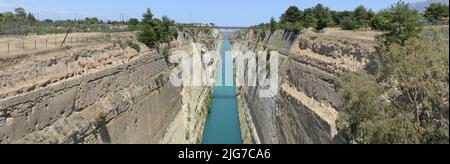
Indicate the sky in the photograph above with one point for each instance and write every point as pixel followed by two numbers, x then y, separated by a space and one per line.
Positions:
pixel 220 12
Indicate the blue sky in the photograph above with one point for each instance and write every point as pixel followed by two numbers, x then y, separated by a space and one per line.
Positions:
pixel 221 12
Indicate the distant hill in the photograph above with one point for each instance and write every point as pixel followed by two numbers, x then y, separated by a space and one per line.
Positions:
pixel 421 6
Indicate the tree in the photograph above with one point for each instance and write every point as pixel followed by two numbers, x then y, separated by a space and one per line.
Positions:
pixel 361 17
pixel 309 19
pixel 379 21
pixel 292 14
pixel 148 16
pixel 154 31
pixel 322 15
pixel 91 21
pixel 168 30
pixel 402 23
pixel 347 23
pixel 273 24
pixel 408 104
pixel 133 21
pixel 7 16
pixel 339 16
pixel 436 11
pixel 147 35
pixel 31 18
pixel 420 69
pixel 20 12
pixel 367 117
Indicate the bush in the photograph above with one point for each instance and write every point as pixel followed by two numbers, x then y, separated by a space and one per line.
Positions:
pixel 405 102
pixel 166 53
pixel 134 46
pixel 101 119
pixel 292 27
pixel 133 27
pixel 347 24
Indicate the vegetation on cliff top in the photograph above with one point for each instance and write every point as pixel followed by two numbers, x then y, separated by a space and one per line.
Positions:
pixel 406 99
pixel 154 31
pixel 22 23
pixel 361 18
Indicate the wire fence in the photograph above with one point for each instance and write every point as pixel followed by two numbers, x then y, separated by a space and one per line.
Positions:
pixel 21 44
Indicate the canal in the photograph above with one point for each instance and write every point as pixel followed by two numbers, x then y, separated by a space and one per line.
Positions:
pixel 222 124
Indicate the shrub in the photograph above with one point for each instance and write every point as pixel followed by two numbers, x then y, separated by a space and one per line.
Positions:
pixel 134 46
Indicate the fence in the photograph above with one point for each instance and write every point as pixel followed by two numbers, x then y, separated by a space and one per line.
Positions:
pixel 15 44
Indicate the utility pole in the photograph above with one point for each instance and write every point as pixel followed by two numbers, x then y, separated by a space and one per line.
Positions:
pixel 122 18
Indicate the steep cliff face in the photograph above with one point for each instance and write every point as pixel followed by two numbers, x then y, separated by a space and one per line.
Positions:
pixel 307 105
pixel 105 93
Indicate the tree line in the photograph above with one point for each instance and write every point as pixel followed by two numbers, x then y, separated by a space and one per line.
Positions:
pixel 320 16
pixel 21 22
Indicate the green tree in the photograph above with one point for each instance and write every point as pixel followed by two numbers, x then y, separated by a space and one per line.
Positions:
pixel 323 16
pixel 408 103
pixel 148 16
pixel 8 16
pixel 20 12
pixel 168 30
pixel 436 11
pixel 133 21
pixel 338 16
pixel 91 21
pixel 402 23
pixel 273 24
pixel 292 14
pixel 31 18
pixel 368 118
pixel 361 17
pixel 347 23
pixel 309 19
pixel 154 32
pixel 420 69
pixel 147 35
pixel 379 21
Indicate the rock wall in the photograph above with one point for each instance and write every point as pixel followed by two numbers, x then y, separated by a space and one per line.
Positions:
pixel 105 93
pixel 307 105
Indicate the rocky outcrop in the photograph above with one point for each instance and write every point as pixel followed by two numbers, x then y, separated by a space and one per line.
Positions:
pixel 306 108
pixel 104 93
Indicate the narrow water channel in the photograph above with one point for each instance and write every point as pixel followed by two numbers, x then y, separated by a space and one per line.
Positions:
pixel 222 124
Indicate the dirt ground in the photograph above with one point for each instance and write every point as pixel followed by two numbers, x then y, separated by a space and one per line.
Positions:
pixel 350 34
pixel 18 45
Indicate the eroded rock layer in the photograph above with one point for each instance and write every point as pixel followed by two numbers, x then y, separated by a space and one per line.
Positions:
pixel 306 108
pixel 101 93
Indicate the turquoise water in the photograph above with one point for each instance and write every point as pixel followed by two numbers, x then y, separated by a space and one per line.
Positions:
pixel 222 124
